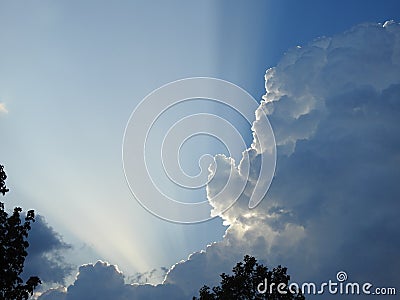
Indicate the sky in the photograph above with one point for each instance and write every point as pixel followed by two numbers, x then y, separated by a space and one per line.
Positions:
pixel 72 73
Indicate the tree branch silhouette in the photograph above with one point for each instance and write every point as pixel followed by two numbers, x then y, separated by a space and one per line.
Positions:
pixel 13 245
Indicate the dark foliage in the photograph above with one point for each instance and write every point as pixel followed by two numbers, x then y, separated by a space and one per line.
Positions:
pixel 13 245
pixel 247 276
pixel 3 177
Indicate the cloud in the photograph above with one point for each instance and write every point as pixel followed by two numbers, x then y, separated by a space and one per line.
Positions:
pixel 103 281
pixel 54 294
pixel 3 108
pixel 45 254
pixel 334 105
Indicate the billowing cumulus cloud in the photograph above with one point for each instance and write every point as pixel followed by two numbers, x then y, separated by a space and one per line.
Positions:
pixel 103 281
pixel 334 105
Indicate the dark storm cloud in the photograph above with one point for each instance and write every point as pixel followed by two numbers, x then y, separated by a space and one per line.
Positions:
pixel 45 253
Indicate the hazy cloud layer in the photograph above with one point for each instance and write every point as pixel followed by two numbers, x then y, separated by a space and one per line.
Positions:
pixel 155 275
pixel 333 205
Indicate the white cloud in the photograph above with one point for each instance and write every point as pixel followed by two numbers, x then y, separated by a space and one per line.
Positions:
pixel 334 106
pixel 3 108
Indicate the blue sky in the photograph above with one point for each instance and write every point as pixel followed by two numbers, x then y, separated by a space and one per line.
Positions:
pixel 71 74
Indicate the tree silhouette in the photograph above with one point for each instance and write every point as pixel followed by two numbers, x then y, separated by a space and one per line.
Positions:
pixel 13 245
pixel 248 279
